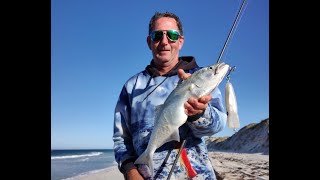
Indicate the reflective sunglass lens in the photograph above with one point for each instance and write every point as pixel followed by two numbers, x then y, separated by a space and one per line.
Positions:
pixel 156 35
pixel 173 35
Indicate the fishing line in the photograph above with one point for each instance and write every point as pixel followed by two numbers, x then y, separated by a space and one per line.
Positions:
pixel 235 28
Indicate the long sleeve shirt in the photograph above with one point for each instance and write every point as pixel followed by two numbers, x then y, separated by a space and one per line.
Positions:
pixel 134 120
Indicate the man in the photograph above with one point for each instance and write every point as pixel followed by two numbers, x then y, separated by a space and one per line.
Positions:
pixel 135 109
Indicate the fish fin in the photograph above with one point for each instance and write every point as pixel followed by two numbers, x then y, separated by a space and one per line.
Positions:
pixel 174 136
pixel 145 159
pixel 231 106
pixel 144 171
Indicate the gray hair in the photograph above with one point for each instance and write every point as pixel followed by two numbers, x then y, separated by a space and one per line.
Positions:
pixel 158 15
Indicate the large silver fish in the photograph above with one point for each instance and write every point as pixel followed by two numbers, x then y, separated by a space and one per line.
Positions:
pixel 231 107
pixel 171 115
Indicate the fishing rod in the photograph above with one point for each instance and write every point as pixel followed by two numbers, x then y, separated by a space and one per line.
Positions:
pixel 221 53
pixel 234 23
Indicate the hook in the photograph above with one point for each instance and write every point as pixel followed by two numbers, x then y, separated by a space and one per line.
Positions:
pixel 231 69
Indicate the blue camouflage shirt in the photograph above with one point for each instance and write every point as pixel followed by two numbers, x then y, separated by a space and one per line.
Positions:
pixel 134 121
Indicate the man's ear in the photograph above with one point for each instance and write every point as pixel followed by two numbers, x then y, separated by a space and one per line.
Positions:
pixel 149 42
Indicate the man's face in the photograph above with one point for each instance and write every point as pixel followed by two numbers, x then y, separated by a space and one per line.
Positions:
pixel 165 52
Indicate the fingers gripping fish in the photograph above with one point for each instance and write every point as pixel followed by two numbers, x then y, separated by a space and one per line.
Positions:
pixel 170 115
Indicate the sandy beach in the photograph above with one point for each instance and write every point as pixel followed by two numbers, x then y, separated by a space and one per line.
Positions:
pixel 228 165
pixel 109 173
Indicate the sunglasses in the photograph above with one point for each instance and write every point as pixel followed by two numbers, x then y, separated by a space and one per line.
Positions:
pixel 172 35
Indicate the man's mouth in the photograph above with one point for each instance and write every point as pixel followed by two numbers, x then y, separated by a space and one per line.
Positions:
pixel 163 50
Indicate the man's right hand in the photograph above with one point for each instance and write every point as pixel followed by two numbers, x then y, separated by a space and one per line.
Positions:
pixel 133 174
pixel 194 106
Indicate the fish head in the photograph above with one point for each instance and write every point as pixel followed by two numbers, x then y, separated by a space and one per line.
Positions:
pixel 216 71
pixel 208 78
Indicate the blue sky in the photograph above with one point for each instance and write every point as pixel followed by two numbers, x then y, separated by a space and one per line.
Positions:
pixel 96 45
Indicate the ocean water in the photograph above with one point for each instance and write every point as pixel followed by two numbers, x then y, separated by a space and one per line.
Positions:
pixel 66 164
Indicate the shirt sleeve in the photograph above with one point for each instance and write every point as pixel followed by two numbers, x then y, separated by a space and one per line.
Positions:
pixel 213 120
pixel 123 148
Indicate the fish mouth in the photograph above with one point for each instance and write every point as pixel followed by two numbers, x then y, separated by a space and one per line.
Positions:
pixel 222 68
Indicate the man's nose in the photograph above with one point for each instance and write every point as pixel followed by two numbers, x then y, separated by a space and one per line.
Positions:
pixel 164 39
